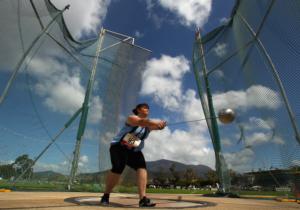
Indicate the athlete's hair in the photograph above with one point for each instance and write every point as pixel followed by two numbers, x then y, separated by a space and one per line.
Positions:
pixel 139 106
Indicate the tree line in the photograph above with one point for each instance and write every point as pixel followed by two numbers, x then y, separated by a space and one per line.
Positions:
pixel 13 170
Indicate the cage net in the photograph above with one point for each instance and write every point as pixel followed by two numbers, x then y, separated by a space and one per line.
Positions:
pixel 45 77
pixel 251 65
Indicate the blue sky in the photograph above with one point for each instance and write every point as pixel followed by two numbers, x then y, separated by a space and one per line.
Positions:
pixel 162 26
pixel 52 88
pixel 168 31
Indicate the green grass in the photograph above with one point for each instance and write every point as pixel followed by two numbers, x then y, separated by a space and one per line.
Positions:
pixel 267 193
pixel 45 186
pixel 178 191
pixel 32 186
pixel 125 189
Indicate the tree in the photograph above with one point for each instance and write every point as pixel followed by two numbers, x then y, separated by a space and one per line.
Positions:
pixel 160 178
pixel 175 174
pixel 7 171
pixel 23 164
pixel 190 176
pixel 212 177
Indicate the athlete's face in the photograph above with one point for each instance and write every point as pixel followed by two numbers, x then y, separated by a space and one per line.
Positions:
pixel 143 111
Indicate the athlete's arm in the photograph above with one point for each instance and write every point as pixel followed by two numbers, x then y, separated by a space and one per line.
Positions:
pixel 134 120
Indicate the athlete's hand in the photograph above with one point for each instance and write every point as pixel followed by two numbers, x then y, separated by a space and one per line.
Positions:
pixel 161 124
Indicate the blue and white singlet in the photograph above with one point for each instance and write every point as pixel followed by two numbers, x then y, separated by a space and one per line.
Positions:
pixel 139 132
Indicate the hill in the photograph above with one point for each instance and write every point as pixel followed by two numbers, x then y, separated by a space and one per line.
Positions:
pixel 165 165
pixel 159 168
pixel 49 175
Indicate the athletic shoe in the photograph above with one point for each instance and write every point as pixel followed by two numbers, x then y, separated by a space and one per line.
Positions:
pixel 145 202
pixel 105 200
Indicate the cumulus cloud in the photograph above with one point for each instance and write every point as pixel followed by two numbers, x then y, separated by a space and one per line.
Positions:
pixel 6 162
pixel 296 162
pixel 226 142
pixel 192 109
pixel 91 134
pixel 83 160
pixel 257 138
pixel 162 80
pixel 83 17
pixel 138 34
pixel 255 123
pixel 190 147
pixel 187 146
pixel 258 131
pixel 240 160
pixel 166 71
pixel 257 96
pixel 95 111
pixel 220 49
pixel 190 12
pixel 59 84
pixel 218 74
pixel 64 166
pixel 64 96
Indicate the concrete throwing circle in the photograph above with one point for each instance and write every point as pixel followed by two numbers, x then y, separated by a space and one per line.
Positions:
pixel 132 202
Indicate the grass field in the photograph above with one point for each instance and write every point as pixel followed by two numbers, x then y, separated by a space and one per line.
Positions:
pixel 38 186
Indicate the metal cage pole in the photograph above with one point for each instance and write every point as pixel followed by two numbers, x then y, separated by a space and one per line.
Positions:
pixel 84 114
pixel 220 163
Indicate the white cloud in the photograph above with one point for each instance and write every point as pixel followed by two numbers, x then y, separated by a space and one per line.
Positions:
pixel 163 81
pixel 190 12
pixel 149 4
pixel 257 138
pixel 138 34
pixel 218 74
pixel 91 134
pixel 64 96
pixel 226 142
pixel 83 17
pixel 296 162
pixel 220 49
pixel 192 109
pixel 166 71
pixel 83 160
pixel 62 167
pixel 255 123
pixel 241 160
pixel 6 162
pixel 95 111
pixel 257 96
pixel 59 84
pixel 190 147
pixel 258 131
pixel 278 140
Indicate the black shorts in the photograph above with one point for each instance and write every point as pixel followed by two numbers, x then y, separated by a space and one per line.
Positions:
pixel 120 156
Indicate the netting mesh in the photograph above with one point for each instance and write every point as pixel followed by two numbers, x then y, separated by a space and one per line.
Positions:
pixel 252 67
pixel 52 73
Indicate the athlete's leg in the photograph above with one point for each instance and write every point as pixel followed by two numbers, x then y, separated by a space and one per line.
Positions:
pixel 118 158
pixel 141 181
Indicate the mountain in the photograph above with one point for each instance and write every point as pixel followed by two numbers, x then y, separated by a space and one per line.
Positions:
pixel 165 165
pixel 49 175
pixel 159 168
